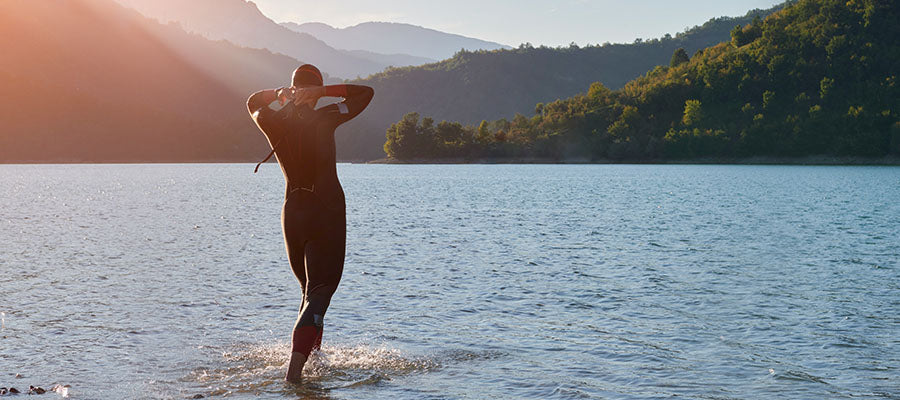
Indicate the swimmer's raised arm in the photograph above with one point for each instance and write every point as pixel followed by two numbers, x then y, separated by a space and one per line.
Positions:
pixel 263 98
pixel 260 99
pixel 356 99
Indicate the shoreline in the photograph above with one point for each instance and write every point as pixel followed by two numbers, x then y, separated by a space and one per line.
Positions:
pixel 759 160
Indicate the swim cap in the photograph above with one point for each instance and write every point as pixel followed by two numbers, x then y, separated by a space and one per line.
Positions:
pixel 307 74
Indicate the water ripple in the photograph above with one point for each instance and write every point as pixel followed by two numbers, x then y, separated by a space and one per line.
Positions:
pixel 495 281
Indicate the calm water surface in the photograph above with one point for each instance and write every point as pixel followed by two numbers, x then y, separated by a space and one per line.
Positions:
pixel 473 281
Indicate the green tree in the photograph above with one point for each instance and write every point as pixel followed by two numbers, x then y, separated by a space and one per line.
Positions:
pixel 624 125
pixel 743 35
pixel 825 86
pixel 768 98
pixel 693 112
pixel 401 137
pixel 483 134
pixel 679 57
pixel 597 91
pixel 449 133
pixel 737 36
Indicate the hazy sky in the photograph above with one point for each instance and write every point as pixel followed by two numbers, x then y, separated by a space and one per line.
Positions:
pixel 517 21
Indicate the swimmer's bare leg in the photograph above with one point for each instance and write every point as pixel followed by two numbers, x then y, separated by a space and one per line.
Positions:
pixel 303 340
pixel 295 368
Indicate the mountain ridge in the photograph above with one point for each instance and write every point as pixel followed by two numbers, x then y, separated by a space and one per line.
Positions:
pixel 242 23
pixel 393 38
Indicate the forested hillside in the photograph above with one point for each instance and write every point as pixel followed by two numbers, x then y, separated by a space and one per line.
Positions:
pixel 473 86
pixel 819 77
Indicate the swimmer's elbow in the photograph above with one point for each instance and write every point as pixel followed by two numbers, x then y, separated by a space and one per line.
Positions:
pixel 368 93
pixel 259 100
pixel 364 96
pixel 253 104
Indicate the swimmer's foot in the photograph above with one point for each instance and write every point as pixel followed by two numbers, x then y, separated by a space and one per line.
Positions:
pixel 295 368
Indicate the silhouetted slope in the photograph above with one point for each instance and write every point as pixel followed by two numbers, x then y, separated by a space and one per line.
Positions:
pixel 241 22
pixel 473 86
pixel 88 80
pixel 394 38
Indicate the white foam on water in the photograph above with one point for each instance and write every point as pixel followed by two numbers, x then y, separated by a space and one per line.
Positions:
pixel 383 360
pixel 260 368
pixel 61 390
pixel 245 369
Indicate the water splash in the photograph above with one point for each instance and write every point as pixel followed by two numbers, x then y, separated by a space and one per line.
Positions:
pixel 61 390
pixel 260 368
pixel 341 359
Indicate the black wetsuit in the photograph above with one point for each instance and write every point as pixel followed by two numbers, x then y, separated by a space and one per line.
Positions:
pixel 313 217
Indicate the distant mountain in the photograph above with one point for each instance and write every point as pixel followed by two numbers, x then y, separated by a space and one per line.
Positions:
pixel 92 81
pixel 392 60
pixel 473 86
pixel 241 22
pixel 391 38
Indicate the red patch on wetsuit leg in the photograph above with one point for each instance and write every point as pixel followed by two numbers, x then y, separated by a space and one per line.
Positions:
pixel 318 343
pixel 303 339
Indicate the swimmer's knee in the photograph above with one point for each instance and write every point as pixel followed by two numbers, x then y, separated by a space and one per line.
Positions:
pixel 313 311
pixel 322 291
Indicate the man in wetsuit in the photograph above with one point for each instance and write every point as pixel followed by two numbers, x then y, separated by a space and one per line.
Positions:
pixel 313 217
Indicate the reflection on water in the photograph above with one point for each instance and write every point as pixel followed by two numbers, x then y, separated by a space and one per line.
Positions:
pixel 471 281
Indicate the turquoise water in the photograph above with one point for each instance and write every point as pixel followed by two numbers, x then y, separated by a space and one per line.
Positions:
pixel 468 281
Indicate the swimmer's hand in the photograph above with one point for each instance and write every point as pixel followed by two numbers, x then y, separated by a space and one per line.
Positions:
pixel 284 94
pixel 308 95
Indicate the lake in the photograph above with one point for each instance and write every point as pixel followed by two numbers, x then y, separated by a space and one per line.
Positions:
pixel 461 281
